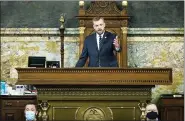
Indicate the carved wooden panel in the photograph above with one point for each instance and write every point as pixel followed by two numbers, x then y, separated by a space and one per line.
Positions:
pixel 9 116
pixel 171 108
pixel 107 8
pixel 94 110
pixel 12 107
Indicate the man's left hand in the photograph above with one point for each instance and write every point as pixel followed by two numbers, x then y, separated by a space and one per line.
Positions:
pixel 116 44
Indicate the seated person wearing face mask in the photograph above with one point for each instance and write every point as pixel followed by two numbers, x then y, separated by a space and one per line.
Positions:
pixel 30 112
pixel 151 112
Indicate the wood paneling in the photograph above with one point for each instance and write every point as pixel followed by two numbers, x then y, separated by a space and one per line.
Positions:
pixel 171 109
pixel 12 107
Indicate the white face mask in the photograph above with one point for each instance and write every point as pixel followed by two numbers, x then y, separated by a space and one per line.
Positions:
pixel 30 115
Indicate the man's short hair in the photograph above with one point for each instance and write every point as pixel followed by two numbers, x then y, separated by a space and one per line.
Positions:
pixel 97 18
pixel 151 107
pixel 31 104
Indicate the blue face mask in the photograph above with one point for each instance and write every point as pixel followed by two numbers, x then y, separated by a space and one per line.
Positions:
pixel 30 115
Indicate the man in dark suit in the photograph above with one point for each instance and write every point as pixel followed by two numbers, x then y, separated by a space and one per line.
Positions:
pixel 99 47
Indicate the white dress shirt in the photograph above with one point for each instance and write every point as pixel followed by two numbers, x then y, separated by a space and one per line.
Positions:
pixel 97 39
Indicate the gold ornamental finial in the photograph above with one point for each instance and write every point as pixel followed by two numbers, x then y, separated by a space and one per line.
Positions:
pixel 62 20
pixel 124 3
pixel 81 3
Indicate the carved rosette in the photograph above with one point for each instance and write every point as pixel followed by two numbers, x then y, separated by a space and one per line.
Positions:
pixel 94 114
pixel 82 23
pixel 124 23
pixel 103 7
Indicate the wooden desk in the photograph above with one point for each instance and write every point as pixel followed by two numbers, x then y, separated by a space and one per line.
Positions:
pixel 171 108
pixel 69 94
pixel 12 107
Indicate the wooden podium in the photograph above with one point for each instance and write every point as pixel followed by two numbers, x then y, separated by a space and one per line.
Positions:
pixel 93 93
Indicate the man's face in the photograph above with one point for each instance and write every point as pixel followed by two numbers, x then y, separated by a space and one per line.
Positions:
pixel 99 26
pixel 30 108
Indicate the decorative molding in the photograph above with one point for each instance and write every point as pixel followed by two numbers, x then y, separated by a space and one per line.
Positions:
pixel 72 31
pixel 149 31
pixel 30 31
pixel 95 76
pixel 133 112
pixel 150 38
pixel 56 92
pixel 94 70
pixel 95 89
pixel 99 82
pixel 75 31
pixel 66 107
pixel 38 31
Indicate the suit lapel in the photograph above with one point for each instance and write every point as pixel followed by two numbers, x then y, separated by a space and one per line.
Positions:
pixel 95 42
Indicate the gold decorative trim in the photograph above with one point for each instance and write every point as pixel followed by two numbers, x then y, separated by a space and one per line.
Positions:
pixel 95 91
pixel 81 30
pixel 134 110
pixel 124 30
pixel 99 82
pixel 44 105
pixel 111 113
pixel 62 20
pixel 53 110
pixel 142 107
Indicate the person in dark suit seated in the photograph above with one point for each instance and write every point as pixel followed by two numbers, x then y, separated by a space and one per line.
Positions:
pixel 99 47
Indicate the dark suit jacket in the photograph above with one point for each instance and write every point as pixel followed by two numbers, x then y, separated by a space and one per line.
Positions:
pixel 103 57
